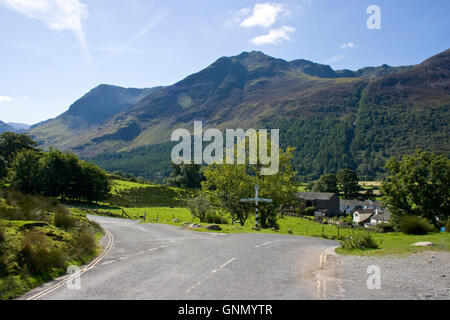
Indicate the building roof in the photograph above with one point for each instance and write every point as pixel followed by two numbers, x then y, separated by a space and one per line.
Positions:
pixel 315 195
pixel 385 216
pixel 364 216
pixel 356 203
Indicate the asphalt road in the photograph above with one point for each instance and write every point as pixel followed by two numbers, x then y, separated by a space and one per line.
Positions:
pixel 161 262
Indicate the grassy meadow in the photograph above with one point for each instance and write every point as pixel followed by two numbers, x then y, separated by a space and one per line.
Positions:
pixel 160 204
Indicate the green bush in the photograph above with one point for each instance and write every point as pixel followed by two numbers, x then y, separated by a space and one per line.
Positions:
pixel 310 211
pixel 39 255
pixel 414 225
pixel 215 219
pixel 359 241
pixel 385 228
pixel 84 245
pixel 447 226
pixel 348 220
pixel 64 220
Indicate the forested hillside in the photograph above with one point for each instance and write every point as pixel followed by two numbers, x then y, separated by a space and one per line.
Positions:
pixel 335 119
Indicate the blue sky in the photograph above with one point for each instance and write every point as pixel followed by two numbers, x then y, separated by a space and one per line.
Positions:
pixel 54 51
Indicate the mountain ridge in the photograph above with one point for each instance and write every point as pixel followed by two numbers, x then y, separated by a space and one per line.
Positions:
pixel 254 90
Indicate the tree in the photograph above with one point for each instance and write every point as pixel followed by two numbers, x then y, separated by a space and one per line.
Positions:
pixel 55 176
pixel 3 168
pixel 229 184
pixel 12 143
pixel 24 175
pixel 327 183
pixel 348 183
pixel 199 206
pixel 418 185
pixel 96 185
pixel 186 176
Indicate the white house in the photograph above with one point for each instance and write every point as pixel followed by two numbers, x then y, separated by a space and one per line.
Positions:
pixel 349 206
pixel 363 216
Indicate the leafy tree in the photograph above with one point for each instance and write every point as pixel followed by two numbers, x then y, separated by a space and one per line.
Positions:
pixel 54 174
pixel 280 188
pixel 200 206
pixel 96 183
pixel 228 185
pixel 12 143
pixel 231 183
pixel 3 169
pixel 348 183
pixel 24 175
pixel 327 183
pixel 74 177
pixel 58 174
pixel 186 176
pixel 418 185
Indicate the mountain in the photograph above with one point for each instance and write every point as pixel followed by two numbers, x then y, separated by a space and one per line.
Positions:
pixel 19 126
pixel 4 127
pixel 86 114
pixel 335 119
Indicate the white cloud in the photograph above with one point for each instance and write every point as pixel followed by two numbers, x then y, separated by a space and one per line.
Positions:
pixel 57 15
pixel 264 15
pixel 5 99
pixel 336 58
pixel 275 36
pixel 236 17
pixel 348 45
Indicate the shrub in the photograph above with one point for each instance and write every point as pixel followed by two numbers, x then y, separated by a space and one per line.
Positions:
pixel 348 220
pixel 215 219
pixel 414 225
pixel 200 207
pixel 385 228
pixel 64 220
pixel 84 244
pixel 359 241
pixel 39 255
pixel 447 226
pixel 310 211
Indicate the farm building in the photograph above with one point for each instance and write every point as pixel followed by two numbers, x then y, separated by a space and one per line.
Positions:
pixel 325 202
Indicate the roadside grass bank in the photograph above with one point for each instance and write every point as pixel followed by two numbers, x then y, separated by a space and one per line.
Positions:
pixel 39 240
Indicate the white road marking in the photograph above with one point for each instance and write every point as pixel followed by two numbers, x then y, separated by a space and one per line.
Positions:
pixel 267 243
pixel 199 283
pixel 108 262
pixel 224 265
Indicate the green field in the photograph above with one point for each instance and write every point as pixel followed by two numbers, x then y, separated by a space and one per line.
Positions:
pixel 389 243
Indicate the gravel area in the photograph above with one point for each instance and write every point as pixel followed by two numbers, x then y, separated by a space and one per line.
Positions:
pixel 420 276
